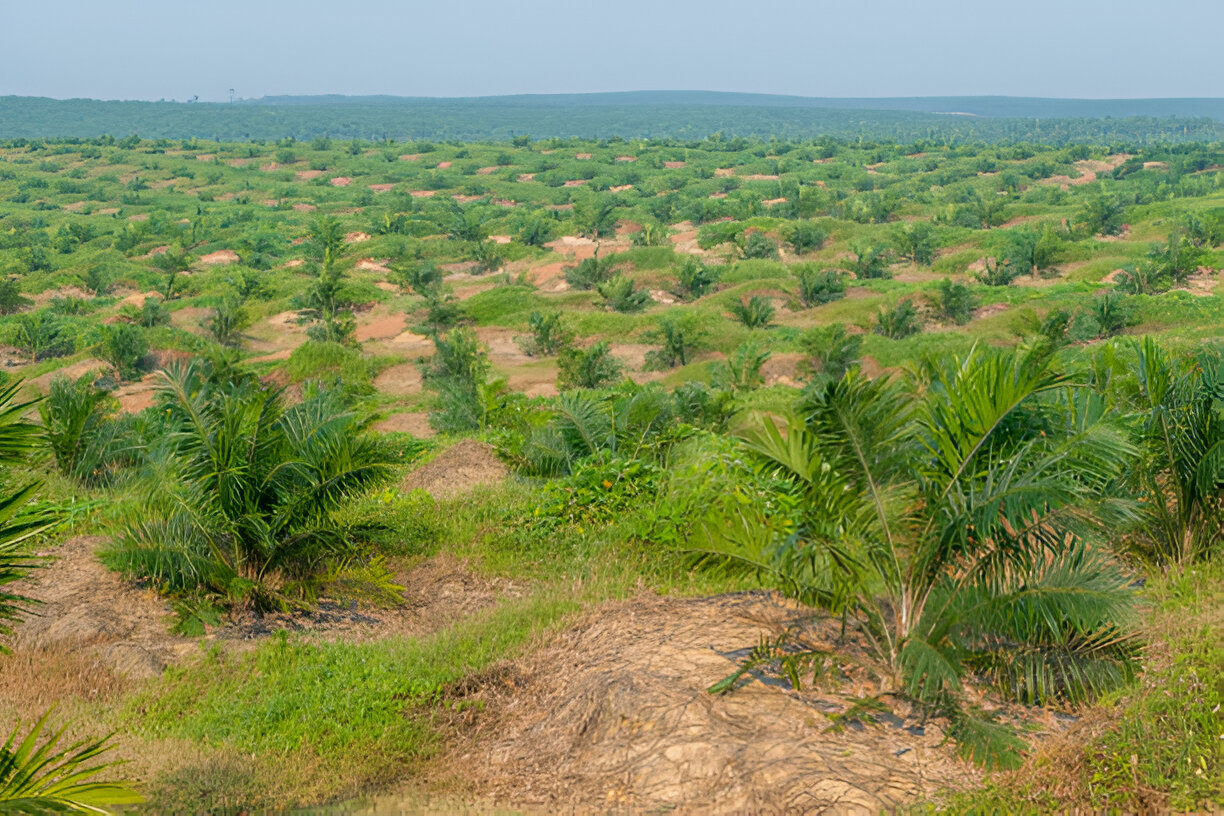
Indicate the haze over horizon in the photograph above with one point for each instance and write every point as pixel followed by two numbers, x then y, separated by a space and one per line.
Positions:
pixel 138 49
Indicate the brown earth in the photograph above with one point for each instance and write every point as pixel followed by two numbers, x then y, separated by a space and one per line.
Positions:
pixel 458 469
pixel 218 258
pixel 89 610
pixel 412 422
pixel 341 181
pixel 86 606
pixel 379 324
pixel 614 716
pixel 399 380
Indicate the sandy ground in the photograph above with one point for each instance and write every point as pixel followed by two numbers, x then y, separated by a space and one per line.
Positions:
pixel 614 716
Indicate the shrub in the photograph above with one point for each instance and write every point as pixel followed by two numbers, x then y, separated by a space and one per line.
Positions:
pixel 694 278
pixel 123 346
pixel 819 286
pixel 457 373
pixel 954 302
pixel 757 246
pixel 592 367
pixel 755 312
pixel 620 295
pixel 804 236
pixel 678 336
pixel 589 273
pixel 870 262
pixel 548 335
pixel 831 350
pixel 898 322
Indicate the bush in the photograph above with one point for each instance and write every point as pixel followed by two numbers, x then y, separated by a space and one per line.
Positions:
pixel 589 273
pixel 831 350
pixel 755 312
pixel 593 367
pixel 620 295
pixel 758 246
pixel 548 335
pixel 819 286
pixel 264 477
pixel 870 262
pixel 678 336
pixel 458 372
pixel 954 302
pixel 804 236
pixel 898 322
pixel 123 346
pixel 694 278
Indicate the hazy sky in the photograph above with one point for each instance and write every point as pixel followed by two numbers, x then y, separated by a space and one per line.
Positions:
pixel 140 49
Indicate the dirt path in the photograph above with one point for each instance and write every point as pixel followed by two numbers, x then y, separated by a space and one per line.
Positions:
pixel 615 714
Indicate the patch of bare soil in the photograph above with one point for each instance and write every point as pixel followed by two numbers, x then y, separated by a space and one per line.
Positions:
pixel 990 311
pixel 615 715
pixel 399 380
pixel 381 188
pixel 549 277
pixel 341 181
pixel 379 324
pixel 87 607
pixel 304 208
pixel 1203 283
pixel 673 165
pixel 461 467
pixel 221 256
pixel 48 295
pixel 437 592
pixel 72 372
pixel 371 265
pixel 412 422
pixel 135 397
pixel 307 175
pixel 782 369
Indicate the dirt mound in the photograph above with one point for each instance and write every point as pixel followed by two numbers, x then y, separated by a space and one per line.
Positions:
pixel 84 605
pixel 467 464
pixel 221 256
pixel 615 714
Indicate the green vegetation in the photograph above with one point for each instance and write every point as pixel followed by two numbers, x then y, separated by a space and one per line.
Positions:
pixel 959 399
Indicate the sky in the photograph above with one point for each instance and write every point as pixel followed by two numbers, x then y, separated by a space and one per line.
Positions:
pixel 141 49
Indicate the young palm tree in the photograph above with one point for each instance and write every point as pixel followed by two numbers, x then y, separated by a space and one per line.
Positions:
pixel 250 517
pixel 1182 477
pixel 18 438
pixel 953 526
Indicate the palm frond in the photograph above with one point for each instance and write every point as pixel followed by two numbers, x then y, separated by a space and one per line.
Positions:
pixel 38 778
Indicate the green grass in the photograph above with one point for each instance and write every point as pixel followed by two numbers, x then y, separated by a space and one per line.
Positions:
pixel 360 711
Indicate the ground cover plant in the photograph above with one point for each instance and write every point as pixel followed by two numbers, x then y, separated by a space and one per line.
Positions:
pixel 378 421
